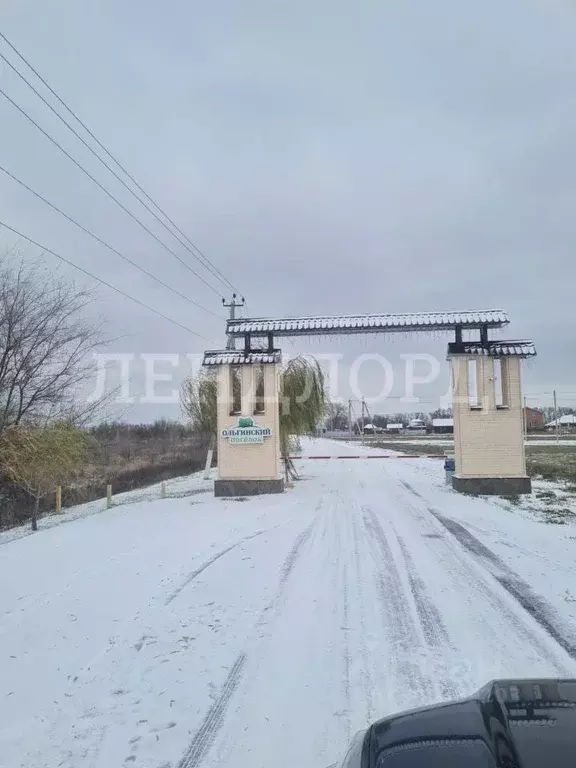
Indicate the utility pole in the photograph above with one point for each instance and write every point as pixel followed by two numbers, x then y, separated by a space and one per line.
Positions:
pixel 350 420
pixel 232 305
pixel 525 420
pixel 557 425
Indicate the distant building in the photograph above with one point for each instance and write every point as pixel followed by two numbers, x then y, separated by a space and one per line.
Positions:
pixel 417 426
pixel 443 426
pixel 564 422
pixel 534 418
pixel 394 428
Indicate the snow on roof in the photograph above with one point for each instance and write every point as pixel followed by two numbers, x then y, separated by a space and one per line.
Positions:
pixel 237 357
pixel 569 418
pixel 395 426
pixel 381 323
pixel 524 348
pixel 442 422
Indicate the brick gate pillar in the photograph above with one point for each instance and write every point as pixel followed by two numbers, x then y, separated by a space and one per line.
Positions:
pixel 248 438
pixel 488 417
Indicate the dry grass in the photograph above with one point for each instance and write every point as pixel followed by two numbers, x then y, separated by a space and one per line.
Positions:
pixel 409 448
pixel 552 462
pixel 128 462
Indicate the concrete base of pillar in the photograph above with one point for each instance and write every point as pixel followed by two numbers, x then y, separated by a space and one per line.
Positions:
pixel 492 486
pixel 247 487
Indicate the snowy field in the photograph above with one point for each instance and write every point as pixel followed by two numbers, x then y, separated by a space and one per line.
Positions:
pixel 198 632
pixel 449 441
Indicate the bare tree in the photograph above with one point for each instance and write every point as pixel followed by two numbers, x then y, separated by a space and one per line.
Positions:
pixel 46 343
pixel 336 416
pixel 441 413
pixel 198 398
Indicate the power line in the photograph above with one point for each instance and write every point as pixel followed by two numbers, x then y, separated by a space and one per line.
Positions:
pixel 106 191
pixel 103 282
pixel 201 257
pixel 549 394
pixel 104 243
pixel 105 164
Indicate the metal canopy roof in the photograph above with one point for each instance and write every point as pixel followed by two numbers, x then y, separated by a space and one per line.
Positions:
pixel 524 348
pixel 384 323
pixel 238 357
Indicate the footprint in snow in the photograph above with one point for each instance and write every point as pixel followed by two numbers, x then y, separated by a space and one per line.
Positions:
pixel 165 727
pixel 144 640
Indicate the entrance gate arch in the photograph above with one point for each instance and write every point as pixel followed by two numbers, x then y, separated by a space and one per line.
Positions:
pixel 488 434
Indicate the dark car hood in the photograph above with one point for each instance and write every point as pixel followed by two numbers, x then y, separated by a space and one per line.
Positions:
pixel 508 724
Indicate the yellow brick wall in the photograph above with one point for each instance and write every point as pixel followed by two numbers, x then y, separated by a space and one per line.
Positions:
pixel 249 462
pixel 488 442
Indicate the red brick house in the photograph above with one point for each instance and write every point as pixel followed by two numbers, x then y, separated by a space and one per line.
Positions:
pixel 534 418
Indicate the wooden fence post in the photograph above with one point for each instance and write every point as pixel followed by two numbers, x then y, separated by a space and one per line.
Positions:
pixel 58 499
pixel 209 457
pixel 163 489
pixel 108 496
pixel 208 464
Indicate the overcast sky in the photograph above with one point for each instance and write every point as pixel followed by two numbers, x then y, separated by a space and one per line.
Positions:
pixel 329 157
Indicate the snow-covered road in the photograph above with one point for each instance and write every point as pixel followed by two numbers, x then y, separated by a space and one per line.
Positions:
pixel 201 632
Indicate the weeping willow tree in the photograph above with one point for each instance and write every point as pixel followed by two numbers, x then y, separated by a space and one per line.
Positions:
pixel 302 403
pixel 198 398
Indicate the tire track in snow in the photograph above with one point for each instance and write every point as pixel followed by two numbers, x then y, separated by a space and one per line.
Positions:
pixel 295 553
pixel 412 490
pixel 214 719
pixel 547 616
pixel 347 662
pixel 395 612
pixel 433 629
pixel 285 573
pixel 367 683
pixel 191 576
pixel 432 625
pixel 535 605
pixel 332 552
